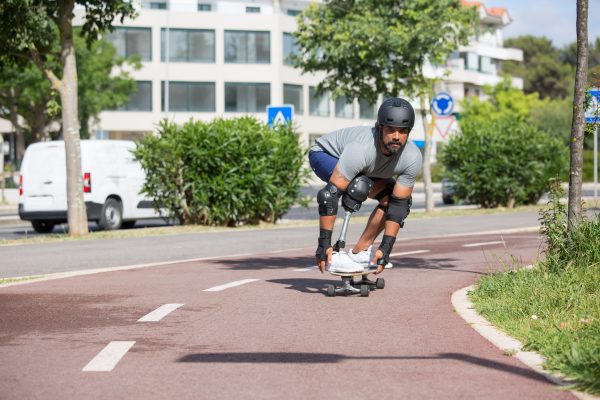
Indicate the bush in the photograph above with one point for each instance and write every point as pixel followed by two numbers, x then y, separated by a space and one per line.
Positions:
pixel 502 161
pixel 224 172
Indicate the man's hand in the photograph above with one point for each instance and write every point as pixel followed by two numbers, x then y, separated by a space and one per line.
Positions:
pixel 323 263
pixel 378 256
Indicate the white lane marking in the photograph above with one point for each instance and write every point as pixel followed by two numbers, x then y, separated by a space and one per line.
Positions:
pixel 230 285
pixel 160 313
pixel 304 269
pixel 482 244
pixel 409 252
pixel 108 358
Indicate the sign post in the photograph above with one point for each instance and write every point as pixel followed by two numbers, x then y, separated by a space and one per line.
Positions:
pixel 280 114
pixel 592 116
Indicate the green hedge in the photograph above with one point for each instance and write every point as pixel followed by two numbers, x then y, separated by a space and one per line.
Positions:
pixel 503 161
pixel 225 172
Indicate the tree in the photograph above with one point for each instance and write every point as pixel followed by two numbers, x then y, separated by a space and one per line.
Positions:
pixel 501 155
pixel 27 32
pixel 372 47
pixel 25 92
pixel 25 95
pixel 569 55
pixel 543 69
pixel 577 130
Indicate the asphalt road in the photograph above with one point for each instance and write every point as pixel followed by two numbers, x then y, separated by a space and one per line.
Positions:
pixel 22 260
pixel 258 325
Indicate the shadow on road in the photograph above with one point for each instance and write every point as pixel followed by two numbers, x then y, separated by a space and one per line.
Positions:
pixel 332 358
pixel 256 263
pixel 305 285
pixel 437 264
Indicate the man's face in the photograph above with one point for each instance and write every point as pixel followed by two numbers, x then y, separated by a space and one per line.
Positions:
pixel 393 139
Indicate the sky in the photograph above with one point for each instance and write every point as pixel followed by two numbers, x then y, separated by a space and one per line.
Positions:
pixel 554 19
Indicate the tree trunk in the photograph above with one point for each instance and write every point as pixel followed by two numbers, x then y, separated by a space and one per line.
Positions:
pixel 14 120
pixel 426 158
pixel 76 212
pixel 2 180
pixel 577 129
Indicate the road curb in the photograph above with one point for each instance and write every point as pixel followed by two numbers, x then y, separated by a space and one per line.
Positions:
pixel 509 345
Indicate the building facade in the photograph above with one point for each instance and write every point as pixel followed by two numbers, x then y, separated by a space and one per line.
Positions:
pixel 204 59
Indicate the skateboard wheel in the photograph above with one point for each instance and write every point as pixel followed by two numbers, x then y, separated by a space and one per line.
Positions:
pixel 330 290
pixel 380 283
pixel 364 291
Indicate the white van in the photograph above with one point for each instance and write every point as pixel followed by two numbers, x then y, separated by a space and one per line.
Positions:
pixel 112 179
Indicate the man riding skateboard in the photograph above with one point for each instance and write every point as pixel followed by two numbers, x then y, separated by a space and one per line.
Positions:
pixel 367 162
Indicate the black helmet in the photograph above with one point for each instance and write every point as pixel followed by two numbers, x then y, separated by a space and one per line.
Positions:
pixel 396 112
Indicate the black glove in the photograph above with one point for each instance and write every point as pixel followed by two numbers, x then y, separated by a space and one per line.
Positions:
pixel 324 243
pixel 386 248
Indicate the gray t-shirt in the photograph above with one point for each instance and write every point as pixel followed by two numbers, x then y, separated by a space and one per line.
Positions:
pixel 358 151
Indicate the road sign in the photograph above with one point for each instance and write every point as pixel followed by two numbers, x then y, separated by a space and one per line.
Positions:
pixel 593 113
pixel 442 104
pixel 443 125
pixel 280 114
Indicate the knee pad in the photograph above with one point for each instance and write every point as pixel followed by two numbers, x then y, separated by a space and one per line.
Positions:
pixel 328 199
pixel 358 191
pixel 398 209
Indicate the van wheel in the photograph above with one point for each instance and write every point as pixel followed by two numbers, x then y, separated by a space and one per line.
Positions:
pixel 111 217
pixel 41 226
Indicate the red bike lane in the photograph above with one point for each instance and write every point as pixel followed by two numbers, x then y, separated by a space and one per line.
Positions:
pixel 267 330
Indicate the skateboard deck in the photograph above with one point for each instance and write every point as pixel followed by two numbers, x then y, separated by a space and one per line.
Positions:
pixel 352 274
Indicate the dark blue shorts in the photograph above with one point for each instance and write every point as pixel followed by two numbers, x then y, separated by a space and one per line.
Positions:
pixel 322 164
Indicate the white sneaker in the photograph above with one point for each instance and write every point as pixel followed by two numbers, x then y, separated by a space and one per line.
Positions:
pixel 364 257
pixel 340 262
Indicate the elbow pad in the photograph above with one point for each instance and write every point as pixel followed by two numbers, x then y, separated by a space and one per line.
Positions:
pixel 398 209
pixel 328 199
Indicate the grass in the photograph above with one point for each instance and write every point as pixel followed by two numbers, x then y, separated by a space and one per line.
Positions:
pixel 192 229
pixel 553 308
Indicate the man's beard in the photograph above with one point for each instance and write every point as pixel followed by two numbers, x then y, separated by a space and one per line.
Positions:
pixel 393 150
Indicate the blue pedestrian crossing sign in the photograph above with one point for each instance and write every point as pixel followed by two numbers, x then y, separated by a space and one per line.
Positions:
pixel 592 114
pixel 442 104
pixel 280 114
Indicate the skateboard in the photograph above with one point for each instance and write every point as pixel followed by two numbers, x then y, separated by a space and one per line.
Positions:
pixel 350 286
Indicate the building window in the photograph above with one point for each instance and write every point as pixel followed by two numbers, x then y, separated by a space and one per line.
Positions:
pixel 485 65
pixel 247 97
pixel 140 99
pixel 247 47
pixel 132 41
pixel 253 10
pixel 187 45
pixel 343 109
pixel 292 94
pixel 293 13
pixel 158 5
pixel 204 7
pixel 318 105
pixel 471 61
pixel 289 47
pixel 367 111
pixel 189 96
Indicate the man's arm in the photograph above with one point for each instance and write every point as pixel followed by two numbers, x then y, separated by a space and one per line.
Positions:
pixel 400 207
pixel 326 222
